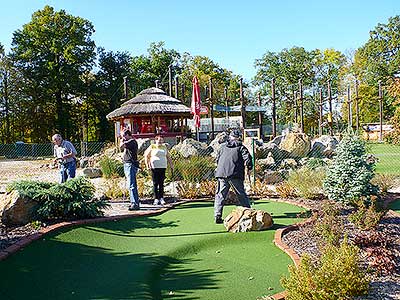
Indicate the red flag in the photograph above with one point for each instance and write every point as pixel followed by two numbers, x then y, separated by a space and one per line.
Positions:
pixel 196 102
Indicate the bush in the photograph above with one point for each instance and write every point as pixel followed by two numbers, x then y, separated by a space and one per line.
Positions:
pixel 111 167
pixel 349 176
pixel 368 213
pixel 329 225
pixel 286 190
pixel 73 199
pixel 193 169
pixel 385 181
pixel 337 276
pixel 315 163
pixel 308 183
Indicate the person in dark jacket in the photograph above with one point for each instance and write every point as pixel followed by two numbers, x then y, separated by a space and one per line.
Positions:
pixel 131 165
pixel 232 159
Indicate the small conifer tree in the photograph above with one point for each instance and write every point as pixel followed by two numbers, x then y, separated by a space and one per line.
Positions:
pixel 349 176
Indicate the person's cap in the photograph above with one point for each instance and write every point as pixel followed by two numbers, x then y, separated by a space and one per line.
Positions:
pixel 235 133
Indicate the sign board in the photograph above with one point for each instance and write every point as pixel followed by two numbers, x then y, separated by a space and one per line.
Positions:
pixel 236 108
pixel 251 133
pixel 203 110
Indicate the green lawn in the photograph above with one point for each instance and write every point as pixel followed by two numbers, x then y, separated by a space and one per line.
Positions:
pixel 389 157
pixel 180 254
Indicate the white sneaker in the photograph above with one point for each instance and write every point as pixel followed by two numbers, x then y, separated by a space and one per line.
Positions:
pixel 162 201
pixel 156 202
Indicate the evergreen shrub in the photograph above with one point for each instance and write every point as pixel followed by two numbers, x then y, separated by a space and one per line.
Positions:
pixel 72 199
pixel 111 167
pixel 349 176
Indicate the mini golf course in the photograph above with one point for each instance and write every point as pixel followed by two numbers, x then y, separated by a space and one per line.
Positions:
pixel 180 254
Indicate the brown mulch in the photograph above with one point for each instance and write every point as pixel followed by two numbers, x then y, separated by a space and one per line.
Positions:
pixel 385 284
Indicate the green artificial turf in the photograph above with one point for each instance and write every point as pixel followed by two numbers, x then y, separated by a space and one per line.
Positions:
pixel 395 205
pixel 180 254
pixel 388 155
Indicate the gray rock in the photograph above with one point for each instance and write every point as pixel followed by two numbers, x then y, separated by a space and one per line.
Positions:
pixel 83 162
pixel 216 143
pixel 273 177
pixel 288 164
pixel 277 140
pixel 298 145
pixel 324 146
pixel 15 209
pixel 92 172
pixel 191 147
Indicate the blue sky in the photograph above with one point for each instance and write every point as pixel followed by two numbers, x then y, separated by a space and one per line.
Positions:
pixel 232 33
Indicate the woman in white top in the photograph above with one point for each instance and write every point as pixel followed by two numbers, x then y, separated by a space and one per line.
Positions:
pixel 157 158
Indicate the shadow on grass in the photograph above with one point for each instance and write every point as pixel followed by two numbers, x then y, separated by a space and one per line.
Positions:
pixel 59 270
pixel 155 235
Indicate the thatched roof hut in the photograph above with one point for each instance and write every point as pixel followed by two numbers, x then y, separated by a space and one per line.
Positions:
pixel 152 101
pixel 151 112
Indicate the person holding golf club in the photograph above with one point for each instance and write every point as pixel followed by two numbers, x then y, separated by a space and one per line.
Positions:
pixel 157 158
pixel 232 159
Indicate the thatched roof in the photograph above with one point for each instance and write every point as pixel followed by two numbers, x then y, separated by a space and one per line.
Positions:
pixel 149 102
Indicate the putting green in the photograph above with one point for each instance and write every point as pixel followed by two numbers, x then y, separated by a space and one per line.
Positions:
pixel 395 205
pixel 180 254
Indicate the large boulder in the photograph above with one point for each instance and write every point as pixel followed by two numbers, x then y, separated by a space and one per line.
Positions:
pixel 273 177
pixel 298 145
pixel 324 146
pixel 92 172
pixel 15 209
pixel 246 219
pixel 216 143
pixel 191 147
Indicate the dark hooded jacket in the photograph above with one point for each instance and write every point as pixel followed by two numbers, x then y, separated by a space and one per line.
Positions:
pixel 231 160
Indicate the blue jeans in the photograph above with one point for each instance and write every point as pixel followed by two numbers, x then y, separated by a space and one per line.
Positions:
pixel 130 173
pixel 67 171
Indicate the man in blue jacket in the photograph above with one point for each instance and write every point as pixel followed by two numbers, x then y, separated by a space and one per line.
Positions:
pixel 231 161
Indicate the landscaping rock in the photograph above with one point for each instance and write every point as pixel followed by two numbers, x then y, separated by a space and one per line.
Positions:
pixel 216 143
pixel 92 172
pixel 277 140
pixel 288 164
pixel 298 145
pixel 246 219
pixel 15 209
pixel 191 147
pixel 324 146
pixel 83 162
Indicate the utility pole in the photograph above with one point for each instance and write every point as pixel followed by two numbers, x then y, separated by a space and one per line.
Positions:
pixel 226 103
pixel 176 87
pixel 273 108
pixel 260 121
pixel 242 105
pixel 126 88
pixel 321 103
pixel 330 116
pixel 349 113
pixel 380 111
pixel 170 80
pixel 357 108
pixel 301 106
pixel 211 108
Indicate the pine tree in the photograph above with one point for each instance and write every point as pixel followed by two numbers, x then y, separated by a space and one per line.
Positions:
pixel 349 176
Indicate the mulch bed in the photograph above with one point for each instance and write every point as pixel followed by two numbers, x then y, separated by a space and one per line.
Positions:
pixel 385 283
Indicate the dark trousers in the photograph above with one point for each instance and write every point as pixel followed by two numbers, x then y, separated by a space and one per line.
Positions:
pixel 158 176
pixel 224 184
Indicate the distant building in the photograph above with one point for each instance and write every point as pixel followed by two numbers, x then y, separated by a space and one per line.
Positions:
pixel 371 131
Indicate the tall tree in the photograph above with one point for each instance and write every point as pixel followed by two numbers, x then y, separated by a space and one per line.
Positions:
pixel 52 51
